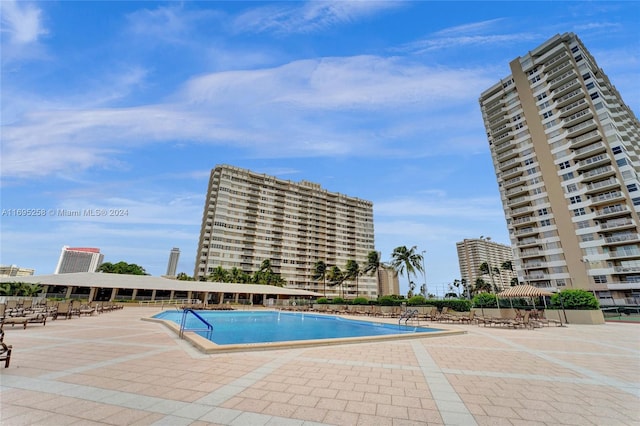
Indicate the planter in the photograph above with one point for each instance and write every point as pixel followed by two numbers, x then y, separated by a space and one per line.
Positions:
pixel 576 316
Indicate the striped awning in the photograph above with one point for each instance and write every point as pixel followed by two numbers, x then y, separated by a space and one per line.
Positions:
pixel 524 291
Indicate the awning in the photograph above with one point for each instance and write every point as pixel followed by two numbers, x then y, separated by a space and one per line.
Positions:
pixel 524 291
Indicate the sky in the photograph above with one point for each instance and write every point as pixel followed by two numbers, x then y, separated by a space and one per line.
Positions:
pixel 125 107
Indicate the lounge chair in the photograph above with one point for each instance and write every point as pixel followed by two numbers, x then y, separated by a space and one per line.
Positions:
pixel 63 311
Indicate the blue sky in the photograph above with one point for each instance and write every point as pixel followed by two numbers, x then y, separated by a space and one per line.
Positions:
pixel 128 105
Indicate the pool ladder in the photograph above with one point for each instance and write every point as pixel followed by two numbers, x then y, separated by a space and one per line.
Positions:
pixel 183 323
pixel 407 315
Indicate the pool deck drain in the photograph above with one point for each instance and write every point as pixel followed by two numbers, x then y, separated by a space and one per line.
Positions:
pixel 114 369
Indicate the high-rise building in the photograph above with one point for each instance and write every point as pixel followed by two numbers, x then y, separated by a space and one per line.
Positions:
pixel 473 252
pixel 15 271
pixel 388 282
pixel 172 266
pixel 250 217
pixel 78 259
pixel 566 150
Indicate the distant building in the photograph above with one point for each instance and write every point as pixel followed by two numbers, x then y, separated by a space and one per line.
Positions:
pixel 566 151
pixel 251 217
pixel 15 271
pixel 388 282
pixel 172 266
pixel 473 252
pixel 78 259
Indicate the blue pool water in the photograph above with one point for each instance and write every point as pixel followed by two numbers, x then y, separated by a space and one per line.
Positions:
pixel 265 327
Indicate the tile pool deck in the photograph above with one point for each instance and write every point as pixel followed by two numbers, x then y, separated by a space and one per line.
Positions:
pixel 116 369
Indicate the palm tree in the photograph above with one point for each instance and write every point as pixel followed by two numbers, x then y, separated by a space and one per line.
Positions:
pixel 482 285
pixel 335 276
pixel 373 265
pixel 219 275
pixel 320 273
pixel 352 271
pixel 485 268
pixel 406 260
pixel 507 265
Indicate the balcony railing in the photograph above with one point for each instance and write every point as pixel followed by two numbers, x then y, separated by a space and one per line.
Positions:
pixel 612 210
pixel 616 223
pixel 598 171
pixel 607 196
pixel 624 269
pixel 622 238
pixel 602 184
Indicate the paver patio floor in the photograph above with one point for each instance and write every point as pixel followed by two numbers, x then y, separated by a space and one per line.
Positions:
pixel 118 370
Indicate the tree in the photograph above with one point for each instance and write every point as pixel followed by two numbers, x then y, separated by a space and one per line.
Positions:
pixel 412 288
pixel 485 268
pixel 121 268
pixel 373 265
pixel 18 288
pixel 482 286
pixel 405 260
pixel 352 271
pixel 335 276
pixel 320 273
pixel 219 275
pixel 507 265
pixel 182 276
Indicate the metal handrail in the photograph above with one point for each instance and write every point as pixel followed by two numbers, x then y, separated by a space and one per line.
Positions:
pixel 183 323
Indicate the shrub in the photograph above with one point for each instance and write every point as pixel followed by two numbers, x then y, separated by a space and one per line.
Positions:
pixel 322 301
pixel 484 300
pixel 416 300
pixel 575 299
pixel 338 301
pixel 360 301
pixel 388 301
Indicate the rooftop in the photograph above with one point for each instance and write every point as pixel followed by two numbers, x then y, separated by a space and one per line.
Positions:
pixel 114 368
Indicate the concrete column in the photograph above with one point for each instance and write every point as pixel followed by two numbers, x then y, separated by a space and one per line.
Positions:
pixel 92 294
pixel 114 293
pixel 153 294
pixel 69 291
pixel 134 294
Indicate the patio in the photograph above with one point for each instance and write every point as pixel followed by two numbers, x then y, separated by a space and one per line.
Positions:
pixel 116 369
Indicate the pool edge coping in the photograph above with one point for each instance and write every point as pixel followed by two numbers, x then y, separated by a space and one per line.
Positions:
pixel 208 347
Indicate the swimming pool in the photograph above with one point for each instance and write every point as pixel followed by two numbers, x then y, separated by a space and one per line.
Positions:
pixel 270 327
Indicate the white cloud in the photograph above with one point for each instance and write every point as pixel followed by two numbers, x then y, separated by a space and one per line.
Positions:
pixel 22 22
pixel 308 17
pixel 297 109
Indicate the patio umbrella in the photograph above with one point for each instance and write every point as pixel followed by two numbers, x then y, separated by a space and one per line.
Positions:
pixel 524 291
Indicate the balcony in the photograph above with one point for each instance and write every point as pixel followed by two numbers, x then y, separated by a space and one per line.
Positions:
pixel 500 130
pixel 501 147
pixel 516 171
pixel 622 238
pixel 593 148
pixel 569 109
pixel 598 173
pixel 512 182
pixel 526 231
pixel 607 197
pixel 527 242
pixel 626 269
pixel 617 210
pixel 509 163
pixel 508 154
pixel 526 219
pixel 555 82
pixel 530 253
pixel 592 162
pixel 502 138
pixel 536 277
pixel 562 56
pixel 517 201
pixel 569 98
pixel 521 210
pixel 580 129
pixel 533 264
pixel 576 118
pixel 502 120
pixel 618 254
pixel 617 224
pixel 515 191
pixel 565 88
pixel 602 185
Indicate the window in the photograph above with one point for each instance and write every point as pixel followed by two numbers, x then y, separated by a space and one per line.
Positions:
pixel 595 95
pixel 544 105
pixel 547 114
pixel 572 187
pixel 599 105
pixel 536 191
pixel 576 199
pixel 550 124
pixel 579 212
pixel 632 187
pixel 579 58
pixel 543 212
pixel 567 176
pixel 541 96
pixel 636 201
pixel 560 282
pixel 574 49
pixel 535 79
pixel 516 118
pixel 591 85
pixel 617 149
pixel 586 76
pixel 529 161
pixel 622 162
pixel 564 165
pixel 582 224
pixel 533 70
pixel 600 279
pixel 531 171
pixel 518 126
pixel 545 222
pixel 586 237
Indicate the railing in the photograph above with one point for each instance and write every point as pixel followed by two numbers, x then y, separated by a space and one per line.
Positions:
pixel 183 323
pixel 168 302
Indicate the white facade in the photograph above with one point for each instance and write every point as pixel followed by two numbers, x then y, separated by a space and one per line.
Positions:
pixel 251 217
pixel 566 150
pixel 80 259
pixel 172 265
pixel 473 252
